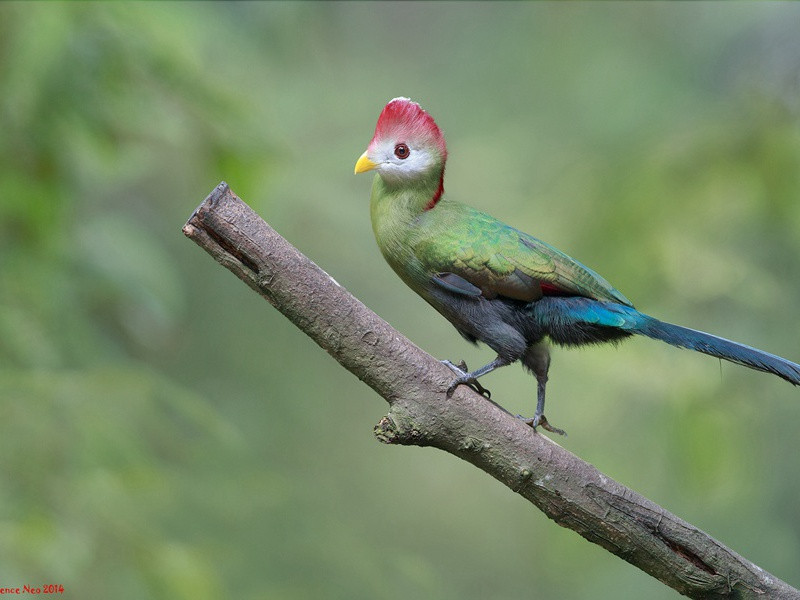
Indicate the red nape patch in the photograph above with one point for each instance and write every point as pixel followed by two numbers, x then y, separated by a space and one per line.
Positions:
pixel 404 118
pixel 437 195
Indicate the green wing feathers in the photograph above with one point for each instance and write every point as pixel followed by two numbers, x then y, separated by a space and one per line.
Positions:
pixel 501 260
pixel 571 276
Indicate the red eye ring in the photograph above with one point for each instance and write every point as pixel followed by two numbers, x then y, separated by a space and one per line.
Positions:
pixel 401 151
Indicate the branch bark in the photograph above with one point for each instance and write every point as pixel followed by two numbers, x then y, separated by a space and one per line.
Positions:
pixel 568 490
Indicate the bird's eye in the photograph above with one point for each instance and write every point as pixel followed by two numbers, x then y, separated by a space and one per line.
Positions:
pixel 401 151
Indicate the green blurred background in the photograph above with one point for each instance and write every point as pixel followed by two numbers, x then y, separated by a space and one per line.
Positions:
pixel 165 433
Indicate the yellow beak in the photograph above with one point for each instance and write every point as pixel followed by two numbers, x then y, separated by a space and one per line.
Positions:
pixel 364 164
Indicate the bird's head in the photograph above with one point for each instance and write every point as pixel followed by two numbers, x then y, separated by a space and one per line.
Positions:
pixel 407 146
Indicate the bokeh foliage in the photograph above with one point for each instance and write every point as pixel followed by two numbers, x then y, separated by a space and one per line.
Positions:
pixel 164 433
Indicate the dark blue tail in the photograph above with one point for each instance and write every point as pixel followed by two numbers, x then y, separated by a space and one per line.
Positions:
pixel 572 320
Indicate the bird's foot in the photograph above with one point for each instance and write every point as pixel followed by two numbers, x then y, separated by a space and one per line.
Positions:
pixel 464 378
pixel 541 421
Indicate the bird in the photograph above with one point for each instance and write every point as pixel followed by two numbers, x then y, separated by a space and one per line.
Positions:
pixel 496 284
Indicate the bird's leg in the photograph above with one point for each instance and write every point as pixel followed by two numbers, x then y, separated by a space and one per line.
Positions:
pixel 538 417
pixel 461 370
pixel 537 359
pixel 471 378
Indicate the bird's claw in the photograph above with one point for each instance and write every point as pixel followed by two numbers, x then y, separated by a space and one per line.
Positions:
pixel 541 421
pixel 464 378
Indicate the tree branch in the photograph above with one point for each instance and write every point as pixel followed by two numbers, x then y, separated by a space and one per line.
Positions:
pixel 568 490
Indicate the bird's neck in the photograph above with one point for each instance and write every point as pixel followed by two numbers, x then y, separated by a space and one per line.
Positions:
pixel 395 208
pixel 411 197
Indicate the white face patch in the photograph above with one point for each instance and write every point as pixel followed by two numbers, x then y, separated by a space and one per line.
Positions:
pixel 418 162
